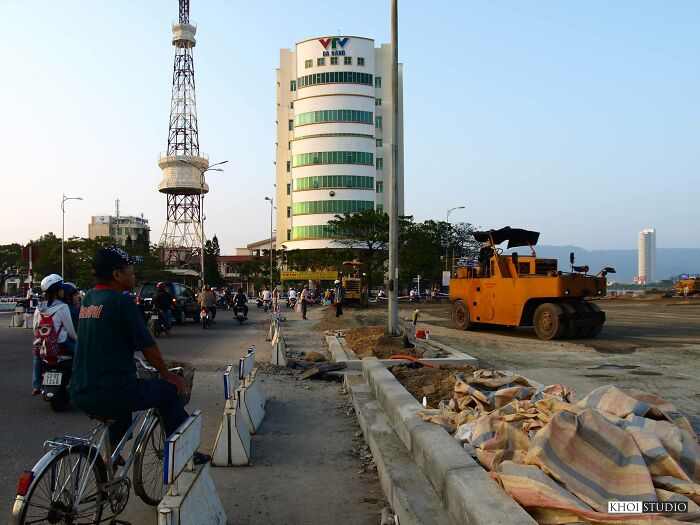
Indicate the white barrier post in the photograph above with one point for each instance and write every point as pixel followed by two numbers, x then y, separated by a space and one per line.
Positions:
pixel 279 349
pixel 251 397
pixel 232 445
pixel 192 496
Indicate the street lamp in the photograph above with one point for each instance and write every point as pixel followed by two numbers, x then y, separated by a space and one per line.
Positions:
pixel 448 224
pixel 201 211
pixel 271 208
pixel 63 226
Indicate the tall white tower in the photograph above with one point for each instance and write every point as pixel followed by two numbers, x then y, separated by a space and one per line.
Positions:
pixel 182 164
pixel 647 256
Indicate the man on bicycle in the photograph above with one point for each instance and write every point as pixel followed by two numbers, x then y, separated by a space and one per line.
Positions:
pixel 111 330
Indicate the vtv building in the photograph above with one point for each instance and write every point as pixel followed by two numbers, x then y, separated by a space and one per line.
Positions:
pixel 647 256
pixel 334 129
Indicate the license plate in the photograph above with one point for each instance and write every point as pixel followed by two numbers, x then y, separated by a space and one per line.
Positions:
pixel 154 317
pixel 52 379
pixel 203 315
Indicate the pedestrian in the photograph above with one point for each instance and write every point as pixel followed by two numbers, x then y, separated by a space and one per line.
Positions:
pixel 304 301
pixel 339 293
pixel 53 326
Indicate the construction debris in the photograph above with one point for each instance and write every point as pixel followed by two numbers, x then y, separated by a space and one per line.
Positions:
pixel 322 369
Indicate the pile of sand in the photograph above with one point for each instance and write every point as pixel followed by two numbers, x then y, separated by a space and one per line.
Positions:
pixel 435 384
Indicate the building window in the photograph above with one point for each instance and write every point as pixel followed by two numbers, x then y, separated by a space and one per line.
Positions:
pixel 308 63
pixel 334 115
pixel 380 186
pixel 360 61
pixel 334 61
pixel 380 208
pixel 379 143
pixel 289 235
pixel 333 157
pixel 291 105
pixel 377 101
pixel 320 61
pixel 334 181
pixel 289 166
pixel 291 124
pixel 377 122
pixel 335 77
pixel 380 163
pixel 331 206
pixel 292 85
pixel 347 61
pixel 377 82
pixel 289 189
pixel 289 212
pixel 321 231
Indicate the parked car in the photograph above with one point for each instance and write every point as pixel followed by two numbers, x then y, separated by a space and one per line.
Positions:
pixel 186 304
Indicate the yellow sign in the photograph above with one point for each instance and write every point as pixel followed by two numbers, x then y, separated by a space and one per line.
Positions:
pixel 312 275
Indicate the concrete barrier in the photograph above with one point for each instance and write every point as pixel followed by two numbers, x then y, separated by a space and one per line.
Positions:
pixel 191 496
pixel 468 492
pixel 279 347
pixel 251 397
pixel 232 445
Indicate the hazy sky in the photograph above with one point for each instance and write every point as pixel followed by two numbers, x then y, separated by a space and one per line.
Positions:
pixel 577 119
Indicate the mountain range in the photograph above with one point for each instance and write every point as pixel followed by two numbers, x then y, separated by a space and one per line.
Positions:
pixel 669 261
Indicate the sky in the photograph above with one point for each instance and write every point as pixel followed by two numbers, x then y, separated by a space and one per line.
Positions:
pixel 580 120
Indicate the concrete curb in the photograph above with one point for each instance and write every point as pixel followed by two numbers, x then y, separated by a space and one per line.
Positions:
pixel 337 348
pixel 410 494
pixel 468 492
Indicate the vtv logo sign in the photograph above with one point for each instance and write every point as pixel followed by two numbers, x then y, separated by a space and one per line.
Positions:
pixel 334 42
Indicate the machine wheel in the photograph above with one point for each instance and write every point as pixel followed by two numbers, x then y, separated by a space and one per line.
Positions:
pixel 571 312
pixel 460 316
pixel 597 326
pixel 547 321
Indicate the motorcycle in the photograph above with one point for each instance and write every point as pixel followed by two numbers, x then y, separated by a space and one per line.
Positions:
pixel 239 313
pixel 55 376
pixel 156 322
pixel 266 305
pixel 259 302
pixel 205 318
pixel 291 302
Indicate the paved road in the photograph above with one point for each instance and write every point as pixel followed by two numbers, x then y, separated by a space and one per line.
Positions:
pixel 303 451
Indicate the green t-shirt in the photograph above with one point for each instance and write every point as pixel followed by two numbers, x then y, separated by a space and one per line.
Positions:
pixel 111 329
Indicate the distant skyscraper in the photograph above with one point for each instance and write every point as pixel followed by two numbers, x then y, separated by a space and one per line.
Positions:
pixel 647 256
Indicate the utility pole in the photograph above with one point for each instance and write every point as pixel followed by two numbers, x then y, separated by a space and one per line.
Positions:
pixel 393 314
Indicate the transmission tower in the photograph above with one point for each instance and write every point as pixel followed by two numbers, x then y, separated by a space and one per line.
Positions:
pixel 182 164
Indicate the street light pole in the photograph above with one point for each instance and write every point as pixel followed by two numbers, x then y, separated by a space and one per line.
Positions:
pixel 201 211
pixel 393 306
pixel 63 226
pixel 271 208
pixel 449 228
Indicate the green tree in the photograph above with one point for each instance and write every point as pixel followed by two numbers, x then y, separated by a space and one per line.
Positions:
pixel 212 276
pixel 10 261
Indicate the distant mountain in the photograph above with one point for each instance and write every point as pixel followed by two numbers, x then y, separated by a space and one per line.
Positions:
pixel 669 261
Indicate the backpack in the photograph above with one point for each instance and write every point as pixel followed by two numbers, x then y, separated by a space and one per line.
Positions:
pixel 46 342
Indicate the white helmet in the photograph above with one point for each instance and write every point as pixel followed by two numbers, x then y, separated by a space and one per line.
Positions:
pixel 48 281
pixel 336 281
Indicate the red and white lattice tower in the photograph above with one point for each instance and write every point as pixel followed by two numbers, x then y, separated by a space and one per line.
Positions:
pixel 182 164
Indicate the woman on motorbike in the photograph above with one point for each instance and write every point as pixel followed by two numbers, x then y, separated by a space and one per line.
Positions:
pixel 57 311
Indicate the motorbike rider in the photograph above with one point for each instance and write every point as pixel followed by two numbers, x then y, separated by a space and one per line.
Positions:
pixel 104 381
pixel 72 299
pixel 206 300
pixel 240 300
pixel 57 311
pixel 163 300
pixel 266 296
pixel 292 297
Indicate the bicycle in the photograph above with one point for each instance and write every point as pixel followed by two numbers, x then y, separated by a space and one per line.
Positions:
pixel 77 479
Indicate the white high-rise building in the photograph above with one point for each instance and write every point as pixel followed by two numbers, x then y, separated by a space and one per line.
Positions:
pixel 647 256
pixel 334 129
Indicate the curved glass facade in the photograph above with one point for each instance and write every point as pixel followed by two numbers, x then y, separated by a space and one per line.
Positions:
pixel 335 77
pixel 321 231
pixel 334 115
pixel 334 181
pixel 330 206
pixel 332 157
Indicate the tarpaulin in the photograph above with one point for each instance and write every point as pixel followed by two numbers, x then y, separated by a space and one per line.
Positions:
pixel 563 460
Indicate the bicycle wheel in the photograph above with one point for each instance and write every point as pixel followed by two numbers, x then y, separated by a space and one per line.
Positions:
pixel 52 497
pixel 149 464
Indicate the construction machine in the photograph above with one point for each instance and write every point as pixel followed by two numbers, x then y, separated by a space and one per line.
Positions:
pixel 690 286
pixel 514 290
pixel 355 287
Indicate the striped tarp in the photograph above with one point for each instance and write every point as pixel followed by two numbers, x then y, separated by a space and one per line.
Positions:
pixel 563 460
